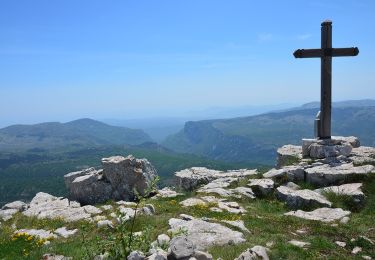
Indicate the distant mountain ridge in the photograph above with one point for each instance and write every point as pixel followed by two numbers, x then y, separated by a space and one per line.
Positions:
pixel 78 133
pixel 255 138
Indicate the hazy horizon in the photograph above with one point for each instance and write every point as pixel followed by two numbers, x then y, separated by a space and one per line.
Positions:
pixel 60 61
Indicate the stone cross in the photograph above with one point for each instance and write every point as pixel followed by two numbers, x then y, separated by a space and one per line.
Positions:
pixel 325 53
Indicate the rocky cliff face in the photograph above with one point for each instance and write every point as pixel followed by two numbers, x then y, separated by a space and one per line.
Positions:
pixel 118 180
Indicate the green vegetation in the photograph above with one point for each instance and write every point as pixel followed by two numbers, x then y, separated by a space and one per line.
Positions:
pixel 264 218
pixel 256 138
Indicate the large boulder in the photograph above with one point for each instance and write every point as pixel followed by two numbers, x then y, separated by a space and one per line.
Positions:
pixel 117 180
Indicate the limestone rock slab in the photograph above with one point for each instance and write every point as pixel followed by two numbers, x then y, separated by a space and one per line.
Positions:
pixel 321 214
pixel 297 199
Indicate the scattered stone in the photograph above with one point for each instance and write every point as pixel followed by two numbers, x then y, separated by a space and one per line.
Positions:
pixel 107 207
pixel 190 179
pixel 238 224
pixel 352 190
pixel 356 250
pixel 366 257
pixel 262 187
pixel 363 155
pixel 321 214
pixel 104 256
pixel 301 231
pixel 65 233
pixel 292 186
pixel 300 244
pixel 287 173
pixel 55 257
pixel 136 255
pixel 270 244
pixel 40 233
pixel 256 252
pixel 326 174
pixel 6 214
pixel 344 220
pixel 181 247
pixel 205 234
pixel 231 207
pixel 117 180
pixel 167 192
pixel 296 199
pixel 190 202
pixel 163 239
pixel 244 191
pixel 158 255
pixel 319 149
pixel 288 154
pixel 199 255
pixel 215 209
pixel 92 210
pixel 18 205
pixel 340 243
pixel 104 224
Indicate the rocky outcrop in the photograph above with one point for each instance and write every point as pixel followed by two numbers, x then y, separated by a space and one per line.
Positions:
pixel 44 205
pixel 321 214
pixel 205 234
pixel 192 178
pixel 297 199
pixel 117 180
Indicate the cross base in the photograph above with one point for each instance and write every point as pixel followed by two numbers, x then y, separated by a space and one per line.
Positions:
pixel 335 146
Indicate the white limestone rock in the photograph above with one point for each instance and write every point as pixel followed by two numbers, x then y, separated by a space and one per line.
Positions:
pixel 254 253
pixel 190 179
pixel 190 202
pixel 104 224
pixel 288 154
pixel 325 174
pixel 262 187
pixel 287 173
pixel 167 192
pixel 6 214
pixel 18 205
pixel 296 199
pixel 321 214
pixel 64 232
pixel 300 244
pixel 238 224
pixel 352 190
pixel 205 234
pixel 363 155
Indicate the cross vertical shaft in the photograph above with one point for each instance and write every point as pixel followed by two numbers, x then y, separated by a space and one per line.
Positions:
pixel 324 129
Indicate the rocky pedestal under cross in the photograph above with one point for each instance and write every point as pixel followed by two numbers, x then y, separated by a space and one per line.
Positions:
pixel 325 53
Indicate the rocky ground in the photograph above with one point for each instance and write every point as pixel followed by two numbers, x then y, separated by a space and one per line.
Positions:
pixel 307 208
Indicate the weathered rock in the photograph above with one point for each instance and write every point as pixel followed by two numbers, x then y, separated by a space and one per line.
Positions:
pixel 6 214
pixel 356 250
pixel 117 181
pixel 136 255
pixel 325 174
pixel 104 224
pixel 92 210
pixel 190 202
pixel 287 173
pixel 243 192
pixel 262 187
pixel 300 244
pixel 181 247
pixel 40 233
pixel 363 155
pixel 231 207
pixel 288 154
pixel 238 224
pixel 205 234
pixel 167 193
pixel 126 174
pixel 44 205
pixel 55 257
pixel 254 253
pixel 297 199
pixel 352 190
pixel 321 214
pixel 190 179
pixel 334 147
pixel 340 243
pixel 163 239
pixel 199 255
pixel 65 233
pixel 18 205
pixel 158 255
pixel 107 207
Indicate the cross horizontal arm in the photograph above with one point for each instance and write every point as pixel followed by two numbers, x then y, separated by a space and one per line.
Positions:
pixel 329 52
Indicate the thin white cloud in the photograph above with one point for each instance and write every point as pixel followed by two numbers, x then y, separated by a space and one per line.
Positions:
pixel 265 37
pixel 303 37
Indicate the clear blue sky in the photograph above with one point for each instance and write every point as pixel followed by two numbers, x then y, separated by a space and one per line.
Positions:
pixel 67 59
